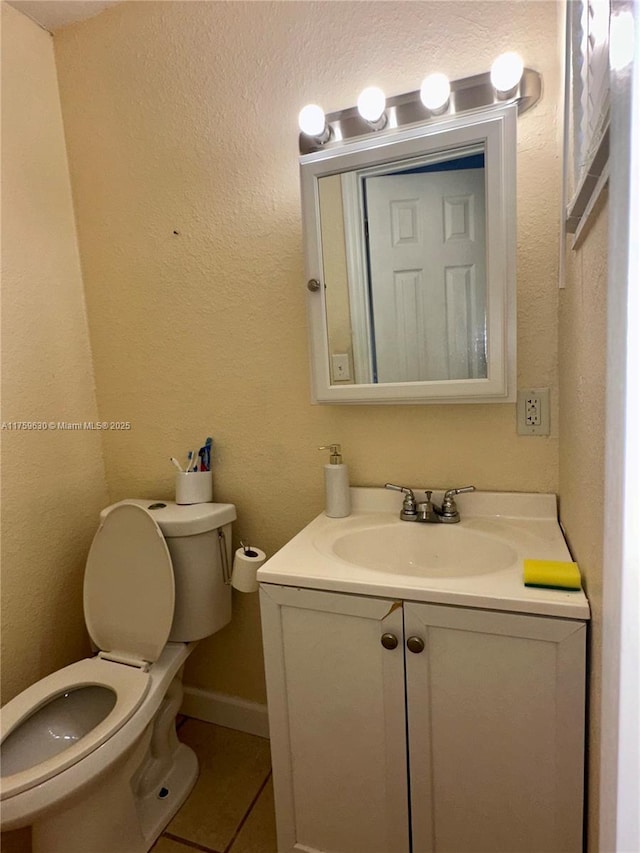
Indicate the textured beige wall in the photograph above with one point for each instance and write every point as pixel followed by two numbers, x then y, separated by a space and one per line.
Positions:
pixel 180 121
pixel 583 346
pixel 53 482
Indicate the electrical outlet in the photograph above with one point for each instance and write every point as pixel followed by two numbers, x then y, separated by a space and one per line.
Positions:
pixel 533 412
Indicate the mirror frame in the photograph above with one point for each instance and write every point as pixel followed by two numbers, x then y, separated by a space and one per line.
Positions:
pixel 493 127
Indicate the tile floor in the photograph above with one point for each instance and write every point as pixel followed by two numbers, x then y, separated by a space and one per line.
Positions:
pixel 230 810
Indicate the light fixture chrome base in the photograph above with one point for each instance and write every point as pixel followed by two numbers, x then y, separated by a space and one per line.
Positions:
pixel 467 93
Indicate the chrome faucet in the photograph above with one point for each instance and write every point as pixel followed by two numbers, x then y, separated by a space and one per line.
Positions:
pixel 426 511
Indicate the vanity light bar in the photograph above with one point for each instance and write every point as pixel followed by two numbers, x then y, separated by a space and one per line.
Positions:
pixel 467 93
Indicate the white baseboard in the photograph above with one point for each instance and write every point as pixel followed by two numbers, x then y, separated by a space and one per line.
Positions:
pixel 229 711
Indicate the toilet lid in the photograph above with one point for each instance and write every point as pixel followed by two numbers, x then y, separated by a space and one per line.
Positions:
pixel 129 586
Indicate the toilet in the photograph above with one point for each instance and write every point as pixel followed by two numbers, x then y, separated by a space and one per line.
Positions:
pixel 89 755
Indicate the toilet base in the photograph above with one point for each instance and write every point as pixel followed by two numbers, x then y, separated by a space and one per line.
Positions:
pixel 157 808
pixel 112 818
pixel 170 769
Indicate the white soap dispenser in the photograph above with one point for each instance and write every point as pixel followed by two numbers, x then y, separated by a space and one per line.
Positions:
pixel 336 484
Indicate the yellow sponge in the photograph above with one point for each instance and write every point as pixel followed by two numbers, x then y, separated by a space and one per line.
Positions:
pixel 556 574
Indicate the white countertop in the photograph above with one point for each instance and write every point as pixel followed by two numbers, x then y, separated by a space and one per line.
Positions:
pixel 527 523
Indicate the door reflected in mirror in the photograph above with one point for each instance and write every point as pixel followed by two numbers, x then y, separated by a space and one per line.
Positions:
pixel 404 255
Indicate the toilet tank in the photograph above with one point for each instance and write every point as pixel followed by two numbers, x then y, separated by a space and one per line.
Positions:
pixel 199 540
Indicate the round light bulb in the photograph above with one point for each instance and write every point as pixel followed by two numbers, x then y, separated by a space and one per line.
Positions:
pixel 371 103
pixel 506 71
pixel 435 91
pixel 311 120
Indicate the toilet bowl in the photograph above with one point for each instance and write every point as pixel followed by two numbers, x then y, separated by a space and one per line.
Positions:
pixel 89 754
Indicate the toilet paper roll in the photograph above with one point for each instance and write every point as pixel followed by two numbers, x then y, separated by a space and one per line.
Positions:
pixel 245 566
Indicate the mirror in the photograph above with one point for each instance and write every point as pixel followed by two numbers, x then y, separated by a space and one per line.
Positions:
pixel 411 236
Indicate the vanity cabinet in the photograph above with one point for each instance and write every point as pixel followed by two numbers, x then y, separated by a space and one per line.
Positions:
pixel 407 727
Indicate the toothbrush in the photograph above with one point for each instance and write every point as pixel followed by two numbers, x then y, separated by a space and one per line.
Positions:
pixel 207 453
pixel 176 463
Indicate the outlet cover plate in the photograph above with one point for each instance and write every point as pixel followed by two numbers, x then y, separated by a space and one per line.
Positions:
pixel 340 367
pixel 533 412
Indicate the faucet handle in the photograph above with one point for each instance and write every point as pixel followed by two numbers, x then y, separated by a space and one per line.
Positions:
pixel 451 492
pixel 449 508
pixel 403 489
pixel 409 511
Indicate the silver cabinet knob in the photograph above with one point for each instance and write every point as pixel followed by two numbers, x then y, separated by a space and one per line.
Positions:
pixel 415 645
pixel 313 285
pixel 389 641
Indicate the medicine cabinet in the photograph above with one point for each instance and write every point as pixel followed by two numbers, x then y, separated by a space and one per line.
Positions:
pixel 410 262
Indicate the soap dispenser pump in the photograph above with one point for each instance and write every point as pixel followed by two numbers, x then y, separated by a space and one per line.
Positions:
pixel 336 484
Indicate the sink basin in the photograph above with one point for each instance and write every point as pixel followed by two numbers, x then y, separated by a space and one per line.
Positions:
pixel 428 550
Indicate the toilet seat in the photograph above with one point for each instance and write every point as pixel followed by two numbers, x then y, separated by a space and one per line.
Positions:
pixel 129 599
pixel 129 588
pixel 130 686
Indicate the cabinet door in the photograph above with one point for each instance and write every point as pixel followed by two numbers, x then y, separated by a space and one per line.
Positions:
pixel 337 721
pixel 496 731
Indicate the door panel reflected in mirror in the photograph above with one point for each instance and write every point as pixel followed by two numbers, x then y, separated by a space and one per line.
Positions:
pixel 414 307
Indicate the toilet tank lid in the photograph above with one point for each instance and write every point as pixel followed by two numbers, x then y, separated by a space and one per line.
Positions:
pixel 182 519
